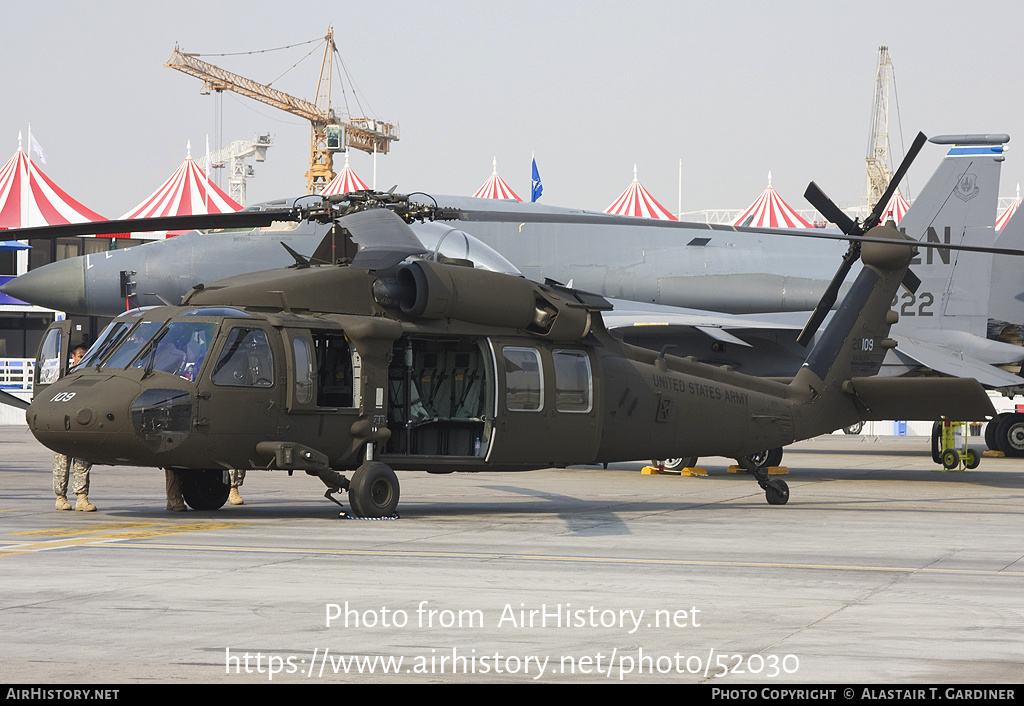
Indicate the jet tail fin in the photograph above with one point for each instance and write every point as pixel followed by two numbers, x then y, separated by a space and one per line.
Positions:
pixel 957 206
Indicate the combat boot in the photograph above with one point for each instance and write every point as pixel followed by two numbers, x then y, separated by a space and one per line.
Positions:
pixel 83 503
pixel 234 498
pixel 62 503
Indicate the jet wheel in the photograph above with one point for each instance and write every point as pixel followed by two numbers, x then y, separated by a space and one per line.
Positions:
pixel 777 492
pixel 374 490
pixel 204 490
pixel 936 442
pixel 1010 435
pixel 675 465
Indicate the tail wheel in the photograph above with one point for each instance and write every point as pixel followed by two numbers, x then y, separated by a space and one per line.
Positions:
pixel 777 492
pixel 374 490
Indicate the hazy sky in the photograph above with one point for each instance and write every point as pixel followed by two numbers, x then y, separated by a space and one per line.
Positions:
pixel 734 89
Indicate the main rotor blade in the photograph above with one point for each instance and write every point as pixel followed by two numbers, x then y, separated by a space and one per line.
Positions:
pixel 830 211
pixel 9 399
pixel 239 219
pixel 894 183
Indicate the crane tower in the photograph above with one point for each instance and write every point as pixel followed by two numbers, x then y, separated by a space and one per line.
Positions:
pixel 878 172
pixel 331 133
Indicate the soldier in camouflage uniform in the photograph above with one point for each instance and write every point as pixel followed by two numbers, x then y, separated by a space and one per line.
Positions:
pixel 80 487
pixel 237 478
pixel 81 469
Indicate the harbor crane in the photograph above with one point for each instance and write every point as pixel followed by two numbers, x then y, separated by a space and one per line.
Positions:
pixel 331 133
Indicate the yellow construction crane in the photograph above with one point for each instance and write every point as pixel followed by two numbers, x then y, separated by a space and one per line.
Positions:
pixel 330 133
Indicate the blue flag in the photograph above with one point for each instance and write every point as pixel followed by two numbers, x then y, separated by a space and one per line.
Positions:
pixel 536 188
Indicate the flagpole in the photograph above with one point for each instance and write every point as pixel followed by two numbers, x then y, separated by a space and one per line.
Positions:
pixel 679 213
pixel 207 191
pixel 21 258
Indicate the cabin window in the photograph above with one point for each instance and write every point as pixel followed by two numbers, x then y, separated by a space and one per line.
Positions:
pixel 524 382
pixel 334 374
pixel 303 371
pixel 574 384
pixel 246 360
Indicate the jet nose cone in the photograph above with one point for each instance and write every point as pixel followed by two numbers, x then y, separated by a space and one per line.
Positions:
pixel 59 285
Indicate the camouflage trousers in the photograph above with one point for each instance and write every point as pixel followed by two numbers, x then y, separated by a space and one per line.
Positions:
pixel 60 476
pixel 237 478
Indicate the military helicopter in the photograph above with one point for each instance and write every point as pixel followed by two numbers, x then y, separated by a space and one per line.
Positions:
pixel 371 356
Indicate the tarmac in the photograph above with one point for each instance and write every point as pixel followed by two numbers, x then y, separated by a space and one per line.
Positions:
pixel 880 569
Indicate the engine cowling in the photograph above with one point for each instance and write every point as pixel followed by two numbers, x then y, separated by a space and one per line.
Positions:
pixel 430 290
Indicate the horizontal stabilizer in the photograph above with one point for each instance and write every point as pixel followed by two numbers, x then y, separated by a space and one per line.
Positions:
pixel 921 399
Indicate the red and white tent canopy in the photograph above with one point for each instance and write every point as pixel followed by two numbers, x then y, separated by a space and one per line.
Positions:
pixel 770 211
pixel 187 192
pixel 896 209
pixel 345 182
pixel 495 187
pixel 29 198
pixel 637 201
pixel 1010 210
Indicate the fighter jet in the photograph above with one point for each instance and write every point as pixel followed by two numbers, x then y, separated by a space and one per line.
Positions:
pixel 716 272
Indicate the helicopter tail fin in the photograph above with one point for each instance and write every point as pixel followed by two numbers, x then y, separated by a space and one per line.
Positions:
pixel 855 342
pixel 852 347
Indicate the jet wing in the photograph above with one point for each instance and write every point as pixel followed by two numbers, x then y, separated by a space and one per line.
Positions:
pixel 955 363
pixel 628 314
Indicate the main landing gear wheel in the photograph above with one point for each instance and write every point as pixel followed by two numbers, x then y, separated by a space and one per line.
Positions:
pixel 854 428
pixel 1009 435
pixel 675 465
pixel 204 490
pixel 936 442
pixel 990 433
pixel 373 491
pixel 767 459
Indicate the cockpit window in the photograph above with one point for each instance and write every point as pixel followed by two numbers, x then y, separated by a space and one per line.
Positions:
pixel 133 342
pixel 109 339
pixel 179 349
pixel 246 360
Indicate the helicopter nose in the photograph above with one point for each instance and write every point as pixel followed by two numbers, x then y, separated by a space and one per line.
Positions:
pixel 59 285
pixel 77 417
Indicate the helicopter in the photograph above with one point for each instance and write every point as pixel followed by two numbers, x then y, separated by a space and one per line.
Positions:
pixel 371 357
